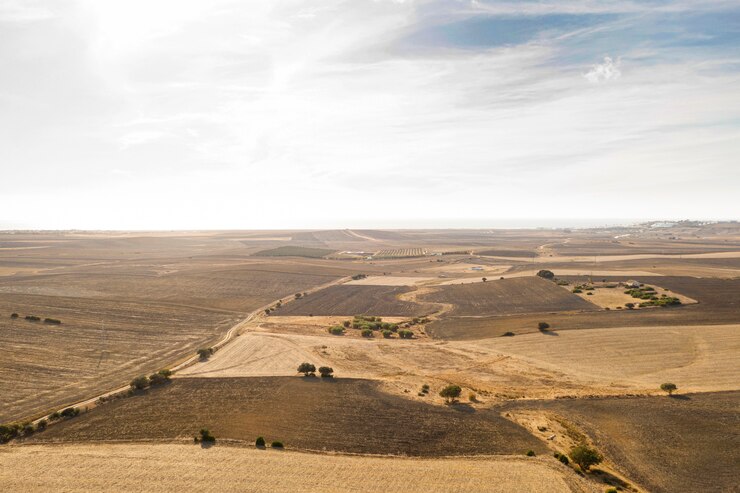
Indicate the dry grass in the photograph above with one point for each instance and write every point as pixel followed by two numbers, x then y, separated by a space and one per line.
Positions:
pixel 181 467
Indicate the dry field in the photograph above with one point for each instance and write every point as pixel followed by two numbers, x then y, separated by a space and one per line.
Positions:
pixel 507 296
pixel 186 467
pixel 613 296
pixel 342 415
pixel 687 443
pixel 356 300
pixel 718 303
pixel 389 281
pixel 100 344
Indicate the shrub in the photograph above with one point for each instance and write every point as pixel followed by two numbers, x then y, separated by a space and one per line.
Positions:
pixel 69 412
pixel 205 436
pixel 472 397
pixel 42 425
pixel 307 369
pixel 387 334
pixel 277 444
pixel 336 330
pixel 546 274
pixel 530 453
pixel 260 442
pixel 139 383
pixel 326 372
pixel 9 432
pixel 162 376
pixel 451 393
pixel 612 490
pixel 629 306
pixel 367 332
pixel 13 315
pixel 52 321
pixel 393 327
pixel 205 353
pixel 585 457
pixel 405 334
pixel 425 388
pixel 668 387
pixel 564 459
pixel 32 318
pixel 55 416
pixel 346 324
pixel 507 334
pixel 298 295
pixel 543 326
pixel 577 290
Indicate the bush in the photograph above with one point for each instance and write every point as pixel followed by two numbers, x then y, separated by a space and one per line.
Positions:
pixel 546 274
pixel 387 334
pixel 162 376
pixel 612 490
pixel 564 459
pixel 32 318
pixel 530 453
pixel 13 315
pixel 668 387
pixel 42 425
pixel 205 353
pixel 405 334
pixel 577 290
pixel 336 330
pixel 543 326
pixel 298 295
pixel 9 432
pixel 205 436
pixel 393 327
pixel 55 416
pixel 326 372
pixel 451 393
pixel 277 444
pixel 507 334
pixel 307 369
pixel 629 306
pixel 585 457
pixel 346 324
pixel 52 321
pixel 260 442
pixel 69 412
pixel 367 332
pixel 139 383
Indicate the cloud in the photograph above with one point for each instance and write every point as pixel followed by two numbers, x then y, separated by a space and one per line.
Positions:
pixel 606 71
pixel 23 11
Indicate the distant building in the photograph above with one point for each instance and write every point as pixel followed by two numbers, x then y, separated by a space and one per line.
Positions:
pixel 476 268
pixel 632 284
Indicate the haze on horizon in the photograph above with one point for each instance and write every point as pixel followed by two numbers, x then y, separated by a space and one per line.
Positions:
pixel 296 114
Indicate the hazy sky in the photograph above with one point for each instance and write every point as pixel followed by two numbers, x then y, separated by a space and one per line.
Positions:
pixel 275 114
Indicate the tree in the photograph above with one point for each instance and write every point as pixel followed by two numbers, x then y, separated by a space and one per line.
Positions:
pixel 162 376
pixel 205 353
pixel 307 369
pixel 260 442
pixel 546 274
pixel 13 315
pixel 543 326
pixel 205 436
pixel 484 279
pixel 326 372
pixel 139 383
pixel 668 387
pixel 585 456
pixel 451 393
pixel 277 444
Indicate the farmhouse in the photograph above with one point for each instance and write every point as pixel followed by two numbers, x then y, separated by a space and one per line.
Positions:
pixel 632 284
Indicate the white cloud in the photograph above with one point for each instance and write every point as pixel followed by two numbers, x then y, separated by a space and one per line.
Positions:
pixel 605 71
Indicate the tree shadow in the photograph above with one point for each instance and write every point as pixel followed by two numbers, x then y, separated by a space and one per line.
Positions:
pixel 462 407
pixel 207 445
pixel 609 478
pixel 680 397
pixel 549 333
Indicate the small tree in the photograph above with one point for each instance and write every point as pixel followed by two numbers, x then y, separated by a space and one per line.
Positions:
pixel 668 387
pixel 260 442
pixel 326 372
pixel 337 330
pixel 451 393
pixel 346 324
pixel 162 376
pixel 543 326
pixel 205 353
pixel 307 369
pixel 585 456
pixel 367 332
pixel 405 334
pixel 13 315
pixel 484 279
pixel 277 444
pixel 387 333
pixel 546 274
pixel 205 436
pixel 139 383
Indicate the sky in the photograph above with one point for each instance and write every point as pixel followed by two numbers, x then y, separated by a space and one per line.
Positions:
pixel 181 114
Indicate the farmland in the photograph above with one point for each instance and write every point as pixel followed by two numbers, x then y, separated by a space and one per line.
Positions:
pixel 183 467
pixel 342 415
pixel 508 296
pixel 686 443
pixel 353 299
pixel 132 303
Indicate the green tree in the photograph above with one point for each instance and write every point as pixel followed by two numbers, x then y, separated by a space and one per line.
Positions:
pixel 326 372
pixel 585 456
pixel 546 274
pixel 451 393
pixel 668 387
pixel 307 369
pixel 260 442
pixel 139 383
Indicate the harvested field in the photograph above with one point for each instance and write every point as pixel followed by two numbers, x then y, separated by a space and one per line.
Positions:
pixel 185 467
pixel 508 296
pixel 356 300
pixel 508 253
pixel 389 281
pixel 99 345
pixel 687 443
pixel 294 251
pixel 343 415
pixel 718 304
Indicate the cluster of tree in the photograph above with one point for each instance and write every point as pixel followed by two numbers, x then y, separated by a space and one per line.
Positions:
pixel 546 274
pixel 159 378
pixel 309 370
pixel 261 443
pixel 16 430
